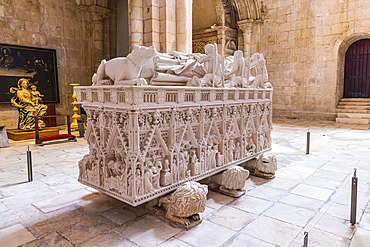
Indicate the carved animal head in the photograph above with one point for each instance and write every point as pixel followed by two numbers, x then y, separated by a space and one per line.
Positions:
pixel 234 178
pixel 141 54
pixel 189 199
pixel 267 163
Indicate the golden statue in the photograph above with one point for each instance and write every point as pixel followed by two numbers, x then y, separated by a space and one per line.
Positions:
pixel 29 105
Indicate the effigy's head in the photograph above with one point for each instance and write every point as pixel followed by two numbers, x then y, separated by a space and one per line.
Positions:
pixel 208 48
pixel 238 54
pixel 22 83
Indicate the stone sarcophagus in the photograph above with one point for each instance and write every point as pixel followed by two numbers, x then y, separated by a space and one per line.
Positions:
pixel 146 141
pixel 156 121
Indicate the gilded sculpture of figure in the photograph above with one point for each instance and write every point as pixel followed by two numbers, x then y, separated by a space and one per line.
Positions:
pixel 36 95
pixel 27 108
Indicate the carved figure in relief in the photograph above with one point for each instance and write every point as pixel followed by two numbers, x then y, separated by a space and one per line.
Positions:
pixel 124 70
pixel 130 182
pixel 156 174
pixel 259 64
pixel 175 170
pixel 214 65
pixel 138 183
pixel 183 165
pixel 231 150
pixel 237 77
pixel 148 177
pixel 237 151
pixel 165 178
pixel 185 203
pixel 214 151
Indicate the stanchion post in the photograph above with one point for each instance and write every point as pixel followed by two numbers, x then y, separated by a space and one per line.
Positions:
pixel 354 198
pixel 305 240
pixel 308 142
pixel 29 165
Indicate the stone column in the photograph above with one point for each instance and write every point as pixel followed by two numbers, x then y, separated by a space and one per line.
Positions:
pixel 98 15
pixel 246 27
pixel 184 26
pixel 151 23
pixel 221 39
pixel 137 23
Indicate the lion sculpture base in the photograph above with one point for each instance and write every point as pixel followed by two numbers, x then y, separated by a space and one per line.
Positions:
pixel 230 182
pixel 264 166
pixel 182 207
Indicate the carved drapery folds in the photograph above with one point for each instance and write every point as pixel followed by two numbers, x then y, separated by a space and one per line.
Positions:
pixel 144 145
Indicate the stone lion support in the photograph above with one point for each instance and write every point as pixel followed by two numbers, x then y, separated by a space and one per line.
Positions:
pixel 264 166
pixel 182 207
pixel 230 182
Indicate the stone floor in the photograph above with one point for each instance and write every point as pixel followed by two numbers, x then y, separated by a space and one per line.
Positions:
pixel 310 193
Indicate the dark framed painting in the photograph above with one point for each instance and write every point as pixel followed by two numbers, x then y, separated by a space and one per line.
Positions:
pixel 39 65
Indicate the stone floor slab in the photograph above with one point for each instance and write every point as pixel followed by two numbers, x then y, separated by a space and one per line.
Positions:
pixel 14 236
pixel 302 202
pixel 232 218
pixel 119 215
pixel 87 229
pixel 361 238
pixel 365 221
pixel 52 239
pixel 61 201
pixel 252 204
pixel 147 231
pixel 207 234
pixel 217 200
pixel 248 241
pixel 267 193
pixel 272 231
pixel 110 239
pixel 174 242
pixel 290 214
pixel 335 226
pixel 312 192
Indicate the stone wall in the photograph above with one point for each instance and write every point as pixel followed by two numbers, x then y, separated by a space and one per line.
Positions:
pixel 301 41
pixel 58 25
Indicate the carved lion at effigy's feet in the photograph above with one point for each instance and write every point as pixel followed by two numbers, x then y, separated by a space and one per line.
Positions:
pixel 124 70
pixel 185 204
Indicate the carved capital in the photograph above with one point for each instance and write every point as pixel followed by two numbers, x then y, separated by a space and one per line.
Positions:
pixel 246 25
pixel 99 13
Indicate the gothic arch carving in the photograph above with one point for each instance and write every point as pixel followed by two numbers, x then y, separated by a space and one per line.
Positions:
pixel 248 9
pixel 343 47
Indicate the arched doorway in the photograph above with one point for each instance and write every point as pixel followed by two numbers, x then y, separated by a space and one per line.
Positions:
pixel 357 70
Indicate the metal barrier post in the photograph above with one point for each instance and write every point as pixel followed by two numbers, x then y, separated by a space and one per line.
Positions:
pixel 305 241
pixel 354 198
pixel 29 165
pixel 308 142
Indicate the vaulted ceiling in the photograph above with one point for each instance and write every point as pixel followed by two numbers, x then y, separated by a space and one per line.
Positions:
pixel 248 9
pixel 244 9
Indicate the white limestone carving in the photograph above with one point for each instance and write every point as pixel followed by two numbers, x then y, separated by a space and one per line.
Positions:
pixel 145 65
pixel 146 141
pixel 234 178
pixel 266 166
pixel 230 182
pixel 185 203
pixel 124 70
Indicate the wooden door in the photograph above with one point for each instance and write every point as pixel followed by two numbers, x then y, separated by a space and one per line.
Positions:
pixel 357 70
